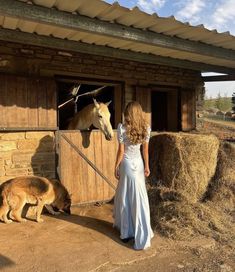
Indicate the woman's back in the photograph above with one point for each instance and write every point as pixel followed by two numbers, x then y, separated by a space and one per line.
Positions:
pixel 131 150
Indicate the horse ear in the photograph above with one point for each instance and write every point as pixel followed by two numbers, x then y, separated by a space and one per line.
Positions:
pixel 107 104
pixel 96 103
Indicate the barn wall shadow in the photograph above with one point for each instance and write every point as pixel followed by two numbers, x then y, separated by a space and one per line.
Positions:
pixel 43 161
pixel 43 164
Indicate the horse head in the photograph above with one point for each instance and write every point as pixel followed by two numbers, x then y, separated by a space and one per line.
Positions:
pixel 101 119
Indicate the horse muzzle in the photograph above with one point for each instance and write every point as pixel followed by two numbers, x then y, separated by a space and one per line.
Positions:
pixel 108 137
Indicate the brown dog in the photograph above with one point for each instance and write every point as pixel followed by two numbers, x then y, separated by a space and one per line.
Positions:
pixel 16 192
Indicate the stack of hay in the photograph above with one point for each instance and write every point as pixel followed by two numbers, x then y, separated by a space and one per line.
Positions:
pixel 221 190
pixel 186 185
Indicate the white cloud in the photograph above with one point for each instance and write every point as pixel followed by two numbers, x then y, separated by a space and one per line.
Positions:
pixel 191 10
pixel 151 6
pixel 214 14
pixel 223 14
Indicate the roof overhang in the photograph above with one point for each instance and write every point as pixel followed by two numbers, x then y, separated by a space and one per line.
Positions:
pixel 218 78
pixel 43 26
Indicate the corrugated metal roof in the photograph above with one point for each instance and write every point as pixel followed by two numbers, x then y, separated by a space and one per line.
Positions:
pixel 114 13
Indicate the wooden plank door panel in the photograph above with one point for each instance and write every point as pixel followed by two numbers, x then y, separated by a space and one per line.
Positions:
pixel 81 180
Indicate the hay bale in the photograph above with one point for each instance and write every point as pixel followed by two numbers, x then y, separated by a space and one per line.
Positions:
pixel 220 113
pixel 228 114
pixel 221 189
pixel 183 162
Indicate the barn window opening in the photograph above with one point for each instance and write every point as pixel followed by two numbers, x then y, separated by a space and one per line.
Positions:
pixel 159 114
pixel 165 109
pixel 73 96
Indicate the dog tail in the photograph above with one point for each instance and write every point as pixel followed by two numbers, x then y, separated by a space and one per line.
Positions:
pixel 1 196
pixel 4 193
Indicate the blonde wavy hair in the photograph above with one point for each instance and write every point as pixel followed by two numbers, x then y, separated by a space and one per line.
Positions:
pixel 135 123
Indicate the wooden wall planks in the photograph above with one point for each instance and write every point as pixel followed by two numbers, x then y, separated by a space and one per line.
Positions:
pixel 27 102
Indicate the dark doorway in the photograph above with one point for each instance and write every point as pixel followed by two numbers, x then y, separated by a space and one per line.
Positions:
pixel 159 111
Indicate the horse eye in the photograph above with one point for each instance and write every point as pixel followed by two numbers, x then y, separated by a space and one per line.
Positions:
pixel 100 116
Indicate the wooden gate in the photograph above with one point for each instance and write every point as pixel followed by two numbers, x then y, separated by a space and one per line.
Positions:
pixel 86 165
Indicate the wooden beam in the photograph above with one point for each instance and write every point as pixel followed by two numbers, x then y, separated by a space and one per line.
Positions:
pixel 71 21
pixel 218 78
pixel 73 46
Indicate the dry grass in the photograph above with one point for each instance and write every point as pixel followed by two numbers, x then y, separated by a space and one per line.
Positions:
pixel 183 162
pixel 183 220
pixel 221 190
pixel 211 212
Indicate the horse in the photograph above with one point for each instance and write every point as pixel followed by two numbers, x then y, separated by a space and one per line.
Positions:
pixel 96 114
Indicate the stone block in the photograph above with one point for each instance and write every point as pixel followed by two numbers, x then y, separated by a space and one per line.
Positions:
pixel 38 135
pixel 16 172
pixel 8 162
pixel 28 144
pixel 12 135
pixel 1 162
pixel 7 145
pixel 46 144
pixel 22 157
pixel 18 165
pixel 6 155
pixel 2 171
pixel 50 166
pixel 33 171
pixel 44 157
pixel 5 178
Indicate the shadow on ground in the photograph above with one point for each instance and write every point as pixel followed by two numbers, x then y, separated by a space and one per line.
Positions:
pixel 99 225
pixel 5 261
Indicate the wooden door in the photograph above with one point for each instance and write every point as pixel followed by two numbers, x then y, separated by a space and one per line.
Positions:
pixel 86 165
pixel 188 110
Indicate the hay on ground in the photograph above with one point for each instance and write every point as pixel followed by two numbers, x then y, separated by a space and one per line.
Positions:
pixel 183 162
pixel 183 220
pixel 221 190
pixel 211 213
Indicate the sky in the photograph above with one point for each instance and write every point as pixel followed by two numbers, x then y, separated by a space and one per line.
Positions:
pixel 213 14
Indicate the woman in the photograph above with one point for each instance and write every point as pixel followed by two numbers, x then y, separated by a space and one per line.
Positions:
pixel 131 206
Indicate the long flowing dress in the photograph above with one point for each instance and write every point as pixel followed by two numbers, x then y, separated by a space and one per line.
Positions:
pixel 131 205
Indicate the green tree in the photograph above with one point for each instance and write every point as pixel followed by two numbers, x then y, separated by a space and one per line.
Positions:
pixel 233 101
pixel 219 102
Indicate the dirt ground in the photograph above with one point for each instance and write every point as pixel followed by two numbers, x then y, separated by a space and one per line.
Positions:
pixel 224 130
pixel 86 241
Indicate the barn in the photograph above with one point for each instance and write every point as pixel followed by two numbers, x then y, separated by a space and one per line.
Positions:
pixel 49 48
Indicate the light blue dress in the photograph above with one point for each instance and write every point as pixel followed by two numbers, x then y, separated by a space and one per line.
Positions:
pixel 131 205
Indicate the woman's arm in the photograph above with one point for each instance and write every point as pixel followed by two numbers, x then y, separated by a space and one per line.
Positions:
pixel 146 158
pixel 119 158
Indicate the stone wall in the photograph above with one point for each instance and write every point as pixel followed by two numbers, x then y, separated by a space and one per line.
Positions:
pixel 27 153
pixel 38 61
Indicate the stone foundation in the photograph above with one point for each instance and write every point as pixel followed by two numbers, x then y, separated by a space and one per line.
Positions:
pixel 27 153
